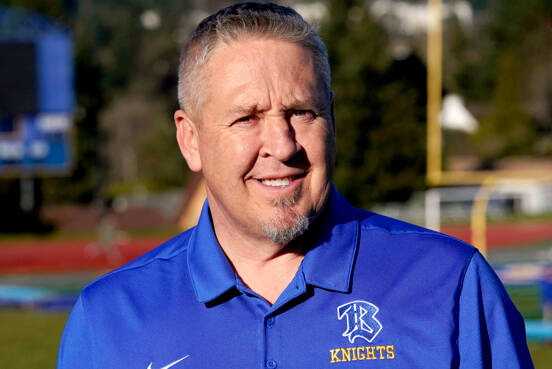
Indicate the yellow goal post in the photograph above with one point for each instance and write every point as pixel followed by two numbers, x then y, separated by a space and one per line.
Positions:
pixel 435 175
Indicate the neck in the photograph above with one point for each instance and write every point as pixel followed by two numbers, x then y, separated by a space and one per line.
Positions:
pixel 264 266
pixel 267 277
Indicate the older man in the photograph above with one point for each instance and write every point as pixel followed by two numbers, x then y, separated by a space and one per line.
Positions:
pixel 280 271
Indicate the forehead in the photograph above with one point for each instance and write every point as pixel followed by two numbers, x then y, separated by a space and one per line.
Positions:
pixel 246 69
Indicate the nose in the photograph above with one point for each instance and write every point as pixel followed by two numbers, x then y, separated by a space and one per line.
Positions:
pixel 279 139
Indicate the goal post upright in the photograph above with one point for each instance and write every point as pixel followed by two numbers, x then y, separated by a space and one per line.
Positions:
pixel 434 91
pixel 435 175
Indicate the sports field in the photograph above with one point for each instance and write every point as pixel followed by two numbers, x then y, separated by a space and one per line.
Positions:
pixel 29 339
pixel 44 276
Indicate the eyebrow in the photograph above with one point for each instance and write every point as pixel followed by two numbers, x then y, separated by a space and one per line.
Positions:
pixel 244 110
pixel 294 103
pixel 306 103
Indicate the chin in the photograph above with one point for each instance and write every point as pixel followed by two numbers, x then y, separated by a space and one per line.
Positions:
pixel 281 233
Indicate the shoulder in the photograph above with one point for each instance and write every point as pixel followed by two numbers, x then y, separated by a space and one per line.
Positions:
pixel 394 248
pixel 145 271
pixel 390 241
pixel 403 236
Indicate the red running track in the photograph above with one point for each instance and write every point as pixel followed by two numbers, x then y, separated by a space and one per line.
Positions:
pixel 39 256
pixel 506 235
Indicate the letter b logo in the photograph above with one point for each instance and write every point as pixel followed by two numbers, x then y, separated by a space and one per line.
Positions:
pixel 361 321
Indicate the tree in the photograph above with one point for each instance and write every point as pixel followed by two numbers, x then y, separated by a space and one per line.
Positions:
pixel 379 109
pixel 518 121
pixel 502 68
pixel 507 130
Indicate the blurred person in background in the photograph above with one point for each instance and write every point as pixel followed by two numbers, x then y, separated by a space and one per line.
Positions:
pixel 109 236
pixel 280 270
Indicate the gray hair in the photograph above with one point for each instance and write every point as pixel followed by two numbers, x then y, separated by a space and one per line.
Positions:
pixel 237 21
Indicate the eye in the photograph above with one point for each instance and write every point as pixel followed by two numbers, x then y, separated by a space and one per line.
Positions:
pixel 303 115
pixel 249 119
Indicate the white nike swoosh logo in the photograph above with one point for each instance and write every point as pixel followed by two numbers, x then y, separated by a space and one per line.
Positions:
pixel 171 364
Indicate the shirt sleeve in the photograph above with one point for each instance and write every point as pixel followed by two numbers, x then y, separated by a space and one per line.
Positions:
pixel 491 330
pixel 75 349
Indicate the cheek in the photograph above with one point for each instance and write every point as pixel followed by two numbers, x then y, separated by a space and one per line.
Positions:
pixel 241 148
pixel 319 146
pixel 231 154
pixel 245 150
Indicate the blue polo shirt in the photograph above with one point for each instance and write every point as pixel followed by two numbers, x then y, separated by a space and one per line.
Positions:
pixel 373 292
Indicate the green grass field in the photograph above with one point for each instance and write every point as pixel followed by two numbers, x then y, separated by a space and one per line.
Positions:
pixel 526 300
pixel 29 339
pixel 541 354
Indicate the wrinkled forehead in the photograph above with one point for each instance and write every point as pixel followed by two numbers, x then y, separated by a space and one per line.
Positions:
pixel 252 61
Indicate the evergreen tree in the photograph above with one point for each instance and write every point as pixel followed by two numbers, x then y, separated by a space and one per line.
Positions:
pixel 379 109
pixel 506 131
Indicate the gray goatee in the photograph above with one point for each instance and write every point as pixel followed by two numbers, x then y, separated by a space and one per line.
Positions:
pixel 280 232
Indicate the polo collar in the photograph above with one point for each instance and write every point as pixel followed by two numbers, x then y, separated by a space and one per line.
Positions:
pixel 209 268
pixel 327 265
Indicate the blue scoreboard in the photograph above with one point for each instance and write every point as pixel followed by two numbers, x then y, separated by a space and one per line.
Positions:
pixel 37 97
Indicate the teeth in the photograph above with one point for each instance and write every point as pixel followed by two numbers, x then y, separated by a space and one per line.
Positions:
pixel 280 182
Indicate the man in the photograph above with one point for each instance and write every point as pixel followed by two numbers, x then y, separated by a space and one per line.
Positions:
pixel 280 271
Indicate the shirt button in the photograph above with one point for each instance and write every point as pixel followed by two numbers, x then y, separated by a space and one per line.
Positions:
pixel 271 364
pixel 270 322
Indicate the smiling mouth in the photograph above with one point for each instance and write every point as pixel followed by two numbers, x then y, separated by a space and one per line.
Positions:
pixel 278 182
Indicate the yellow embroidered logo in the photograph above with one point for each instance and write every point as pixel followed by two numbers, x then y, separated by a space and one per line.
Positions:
pixel 344 354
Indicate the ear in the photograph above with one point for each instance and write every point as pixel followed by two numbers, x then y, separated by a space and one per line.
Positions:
pixel 187 137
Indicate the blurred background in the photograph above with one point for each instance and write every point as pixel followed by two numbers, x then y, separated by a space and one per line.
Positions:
pixel 444 119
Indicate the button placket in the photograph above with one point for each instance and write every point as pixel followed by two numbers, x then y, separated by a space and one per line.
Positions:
pixel 271 335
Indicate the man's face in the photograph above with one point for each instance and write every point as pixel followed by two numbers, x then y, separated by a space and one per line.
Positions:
pixel 264 139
